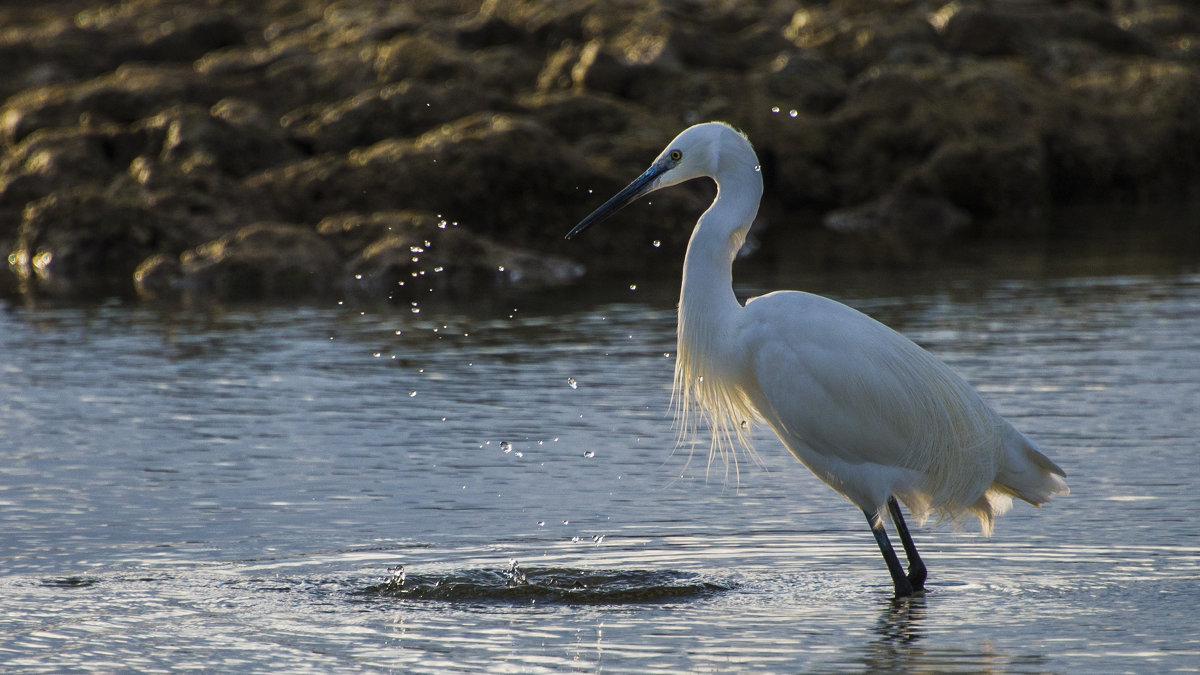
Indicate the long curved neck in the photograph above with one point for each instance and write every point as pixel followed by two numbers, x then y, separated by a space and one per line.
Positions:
pixel 707 381
pixel 707 289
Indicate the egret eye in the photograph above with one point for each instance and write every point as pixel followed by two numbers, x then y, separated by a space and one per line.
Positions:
pixel 676 155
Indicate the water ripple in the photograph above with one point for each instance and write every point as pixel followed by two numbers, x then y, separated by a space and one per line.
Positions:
pixel 550 585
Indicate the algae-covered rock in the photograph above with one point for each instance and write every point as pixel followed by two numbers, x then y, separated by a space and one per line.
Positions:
pixel 175 124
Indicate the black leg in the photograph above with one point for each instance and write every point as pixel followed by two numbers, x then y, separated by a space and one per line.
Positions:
pixel 899 580
pixel 916 567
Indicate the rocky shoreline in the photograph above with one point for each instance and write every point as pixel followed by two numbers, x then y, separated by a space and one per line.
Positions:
pixel 293 148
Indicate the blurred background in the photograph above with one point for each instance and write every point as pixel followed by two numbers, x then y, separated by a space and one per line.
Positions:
pixel 295 149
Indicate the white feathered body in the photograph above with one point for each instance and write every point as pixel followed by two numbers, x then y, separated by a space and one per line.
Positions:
pixel 864 408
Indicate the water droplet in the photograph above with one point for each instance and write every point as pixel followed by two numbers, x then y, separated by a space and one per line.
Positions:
pixel 758 168
pixel 500 267
pixel 774 108
pixel 358 277
pixel 519 453
pixel 574 540
pixel 598 538
pixel 377 354
pixel 589 454
pixel 792 113
pixel 541 523
pixel 565 522
pixel 415 249
pixel 572 383
pixel 412 394
pixel 700 379
pixel 745 424
pixel 633 287
pixel 439 268
pixel 416 310
pixel 506 446
pixel 656 243
pixel 442 225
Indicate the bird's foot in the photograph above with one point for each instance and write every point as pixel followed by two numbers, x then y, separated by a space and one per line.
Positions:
pixel 916 577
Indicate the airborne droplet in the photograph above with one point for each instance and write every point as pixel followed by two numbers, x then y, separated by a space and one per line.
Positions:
pixel 572 383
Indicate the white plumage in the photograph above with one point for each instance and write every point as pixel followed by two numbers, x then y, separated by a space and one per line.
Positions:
pixel 864 408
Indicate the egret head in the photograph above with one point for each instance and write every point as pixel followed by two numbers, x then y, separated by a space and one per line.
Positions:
pixel 696 153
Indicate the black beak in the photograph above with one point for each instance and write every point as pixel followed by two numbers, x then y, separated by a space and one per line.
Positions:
pixel 640 186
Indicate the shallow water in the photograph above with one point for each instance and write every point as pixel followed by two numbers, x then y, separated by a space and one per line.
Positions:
pixel 335 488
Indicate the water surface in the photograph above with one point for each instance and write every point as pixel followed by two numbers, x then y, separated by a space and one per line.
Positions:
pixel 340 488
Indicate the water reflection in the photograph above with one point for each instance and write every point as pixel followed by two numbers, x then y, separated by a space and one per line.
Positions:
pixel 898 632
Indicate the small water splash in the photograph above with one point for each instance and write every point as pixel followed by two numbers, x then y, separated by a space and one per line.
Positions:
pixel 589 454
pixel 70 582
pixel 572 383
pixel 514 584
pixel 396 581
pixel 514 574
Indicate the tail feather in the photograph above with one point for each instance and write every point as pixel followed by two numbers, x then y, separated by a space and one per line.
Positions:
pixel 1028 474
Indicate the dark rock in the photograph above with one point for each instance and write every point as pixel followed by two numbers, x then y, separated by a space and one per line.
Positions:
pixel 1133 132
pixel 35 55
pixel 1013 32
pixel 158 277
pixel 889 122
pixel 263 260
pixel 350 233
pixel 806 82
pixel 194 135
pixel 56 159
pixel 898 228
pixel 902 214
pixel 122 97
pixel 494 171
pixel 153 30
pixel 504 69
pixel 416 253
pixel 402 110
pixel 576 116
pixel 985 176
pixel 86 244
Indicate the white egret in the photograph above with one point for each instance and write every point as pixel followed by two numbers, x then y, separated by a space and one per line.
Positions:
pixel 864 408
